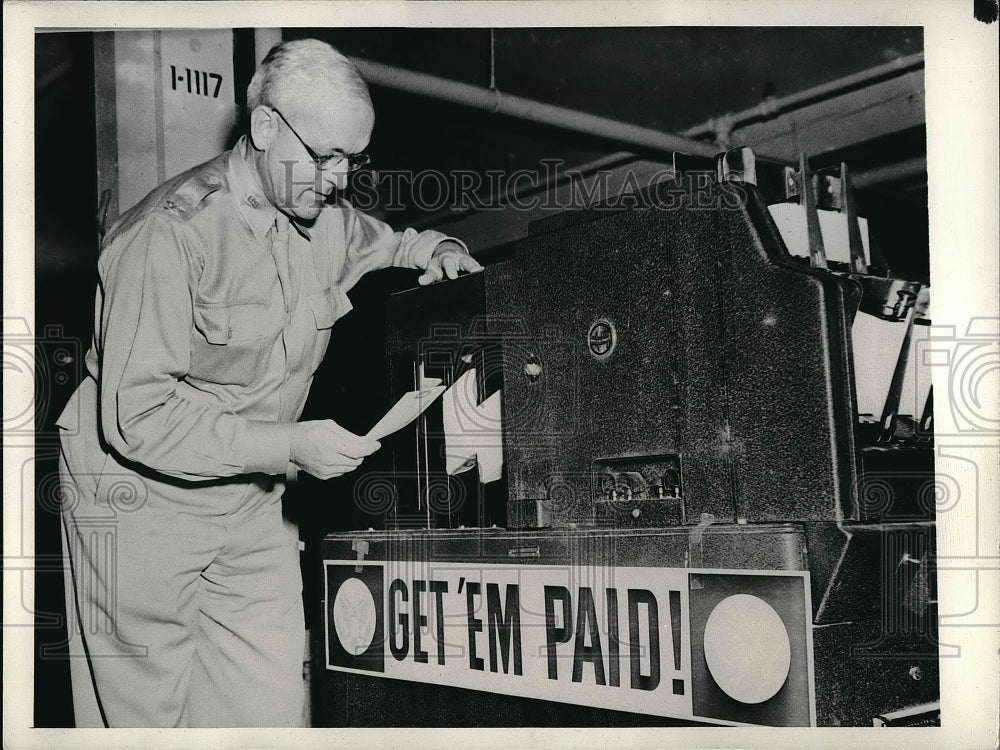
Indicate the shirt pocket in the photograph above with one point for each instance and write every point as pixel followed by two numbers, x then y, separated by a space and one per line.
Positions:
pixel 327 307
pixel 230 344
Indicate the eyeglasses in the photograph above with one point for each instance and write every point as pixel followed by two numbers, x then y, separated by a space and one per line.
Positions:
pixel 325 161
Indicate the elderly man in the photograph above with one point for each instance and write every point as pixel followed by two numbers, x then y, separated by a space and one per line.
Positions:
pixel 218 292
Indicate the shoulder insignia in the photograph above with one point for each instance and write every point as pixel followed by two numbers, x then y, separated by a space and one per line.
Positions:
pixel 192 191
pixel 173 207
pixel 180 197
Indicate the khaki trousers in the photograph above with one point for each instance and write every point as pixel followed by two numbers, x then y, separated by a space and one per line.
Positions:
pixel 178 619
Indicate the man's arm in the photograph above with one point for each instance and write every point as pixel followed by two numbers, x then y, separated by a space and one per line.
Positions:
pixel 148 278
pixel 373 244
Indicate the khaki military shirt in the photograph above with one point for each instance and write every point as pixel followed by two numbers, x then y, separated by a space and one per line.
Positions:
pixel 197 370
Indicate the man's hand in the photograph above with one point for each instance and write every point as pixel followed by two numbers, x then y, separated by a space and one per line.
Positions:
pixel 325 449
pixel 449 259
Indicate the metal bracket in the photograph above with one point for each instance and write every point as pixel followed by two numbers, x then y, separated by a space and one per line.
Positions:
pixel 696 550
pixel 361 548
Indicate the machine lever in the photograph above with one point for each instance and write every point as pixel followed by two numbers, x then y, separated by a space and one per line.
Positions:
pixel 817 251
pixel 891 410
pixel 848 207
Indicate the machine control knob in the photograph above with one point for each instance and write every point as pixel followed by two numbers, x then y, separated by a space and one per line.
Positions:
pixel 532 368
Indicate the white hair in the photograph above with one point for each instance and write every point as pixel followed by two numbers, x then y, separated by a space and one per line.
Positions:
pixel 296 72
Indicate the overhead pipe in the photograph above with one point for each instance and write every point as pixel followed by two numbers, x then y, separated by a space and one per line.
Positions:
pixel 903 170
pixel 497 102
pixel 772 107
pixel 494 101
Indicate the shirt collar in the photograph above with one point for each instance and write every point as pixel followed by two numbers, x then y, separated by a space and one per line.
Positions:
pixel 256 210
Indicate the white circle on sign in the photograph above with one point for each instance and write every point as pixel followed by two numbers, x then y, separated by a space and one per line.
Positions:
pixel 747 648
pixel 354 616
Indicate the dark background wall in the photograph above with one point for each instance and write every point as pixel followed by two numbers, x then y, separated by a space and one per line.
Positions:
pixel 66 248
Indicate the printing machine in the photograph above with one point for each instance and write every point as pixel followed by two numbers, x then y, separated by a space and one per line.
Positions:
pixel 707 495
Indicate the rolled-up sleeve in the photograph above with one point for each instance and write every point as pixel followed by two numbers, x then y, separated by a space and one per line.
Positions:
pixel 373 244
pixel 148 276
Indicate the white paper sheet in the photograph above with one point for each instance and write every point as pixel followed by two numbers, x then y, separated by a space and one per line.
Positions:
pixel 472 431
pixel 410 406
pixel 490 451
pixel 459 409
pixel 917 383
pixel 877 344
pixel 791 221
